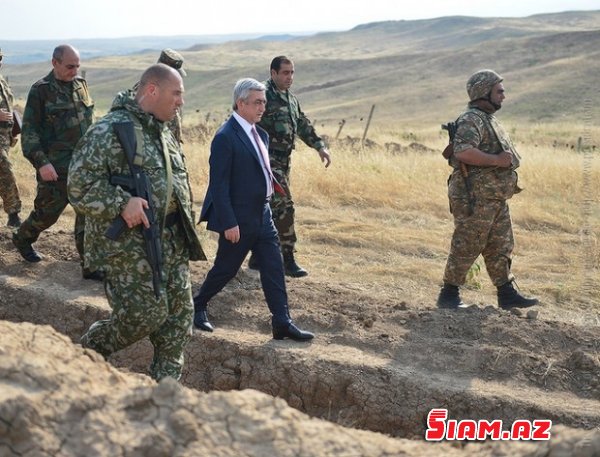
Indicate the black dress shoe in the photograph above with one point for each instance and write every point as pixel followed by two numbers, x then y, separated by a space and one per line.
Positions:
pixel 201 321
pixel 27 252
pixel 292 332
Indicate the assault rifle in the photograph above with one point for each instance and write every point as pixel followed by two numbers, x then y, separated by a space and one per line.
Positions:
pixel 451 127
pixel 138 185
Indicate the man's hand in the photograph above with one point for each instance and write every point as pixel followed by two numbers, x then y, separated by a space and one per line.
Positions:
pixel 48 173
pixel 6 116
pixel 233 234
pixel 504 159
pixel 325 156
pixel 134 213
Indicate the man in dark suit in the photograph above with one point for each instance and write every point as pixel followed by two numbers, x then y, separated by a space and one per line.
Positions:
pixel 237 207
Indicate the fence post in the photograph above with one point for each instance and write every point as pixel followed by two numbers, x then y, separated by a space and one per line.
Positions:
pixel 340 129
pixel 367 127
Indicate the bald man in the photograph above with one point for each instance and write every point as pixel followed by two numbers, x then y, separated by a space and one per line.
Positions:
pixel 58 112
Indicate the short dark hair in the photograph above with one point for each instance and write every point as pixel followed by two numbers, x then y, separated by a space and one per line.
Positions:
pixel 278 61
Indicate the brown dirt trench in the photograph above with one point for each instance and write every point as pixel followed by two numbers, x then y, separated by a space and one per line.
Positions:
pixel 376 364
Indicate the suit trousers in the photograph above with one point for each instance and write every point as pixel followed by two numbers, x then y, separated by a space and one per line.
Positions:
pixel 264 244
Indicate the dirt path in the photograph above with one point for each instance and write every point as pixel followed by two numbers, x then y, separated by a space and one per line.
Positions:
pixel 376 364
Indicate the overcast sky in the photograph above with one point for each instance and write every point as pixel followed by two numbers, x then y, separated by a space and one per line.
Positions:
pixel 67 19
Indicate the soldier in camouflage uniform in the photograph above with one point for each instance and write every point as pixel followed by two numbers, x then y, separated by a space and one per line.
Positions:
pixel 9 191
pixel 284 120
pixel 58 112
pixel 482 223
pixel 136 312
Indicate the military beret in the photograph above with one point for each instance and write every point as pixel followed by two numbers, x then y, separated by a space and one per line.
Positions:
pixel 173 59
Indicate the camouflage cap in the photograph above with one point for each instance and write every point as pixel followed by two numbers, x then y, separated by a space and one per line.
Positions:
pixel 481 82
pixel 173 59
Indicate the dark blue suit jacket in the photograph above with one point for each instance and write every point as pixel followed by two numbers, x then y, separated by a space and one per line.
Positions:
pixel 237 189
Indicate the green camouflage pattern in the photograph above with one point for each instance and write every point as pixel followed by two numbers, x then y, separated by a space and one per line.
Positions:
pixel 480 84
pixel 50 201
pixel 136 312
pixel 6 98
pixel 283 120
pixel 57 114
pixel 175 126
pixel 9 192
pixel 488 230
pixel 99 155
pixel 282 206
pixel 478 129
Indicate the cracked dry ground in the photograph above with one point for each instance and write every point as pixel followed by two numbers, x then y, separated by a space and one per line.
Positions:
pixel 377 364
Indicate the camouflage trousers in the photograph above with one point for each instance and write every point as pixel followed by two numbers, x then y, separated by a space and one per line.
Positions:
pixel 50 201
pixel 9 192
pixel 282 206
pixel 136 313
pixel 488 231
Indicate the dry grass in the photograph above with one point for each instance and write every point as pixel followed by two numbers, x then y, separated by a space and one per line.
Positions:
pixel 379 221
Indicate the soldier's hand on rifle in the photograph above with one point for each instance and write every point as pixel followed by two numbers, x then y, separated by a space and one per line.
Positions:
pixel 48 173
pixel 504 159
pixel 6 116
pixel 133 213
pixel 325 156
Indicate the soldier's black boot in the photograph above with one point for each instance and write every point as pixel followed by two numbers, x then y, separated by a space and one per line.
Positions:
pixel 96 275
pixel 26 250
pixel 508 298
pixel 449 297
pixel 14 220
pixel 291 267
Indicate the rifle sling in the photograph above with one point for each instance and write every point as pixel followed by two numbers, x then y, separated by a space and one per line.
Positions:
pixel 138 160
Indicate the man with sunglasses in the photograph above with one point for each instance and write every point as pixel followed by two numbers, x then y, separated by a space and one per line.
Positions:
pixel 58 112
pixel 9 192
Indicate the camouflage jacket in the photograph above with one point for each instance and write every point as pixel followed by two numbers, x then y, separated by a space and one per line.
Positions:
pixel 99 155
pixel 478 129
pixel 284 119
pixel 6 102
pixel 57 114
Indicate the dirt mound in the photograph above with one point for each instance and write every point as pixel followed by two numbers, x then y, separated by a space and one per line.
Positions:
pixel 63 400
pixel 377 364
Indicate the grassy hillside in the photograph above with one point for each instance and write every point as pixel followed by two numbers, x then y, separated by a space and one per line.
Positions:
pixel 413 71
